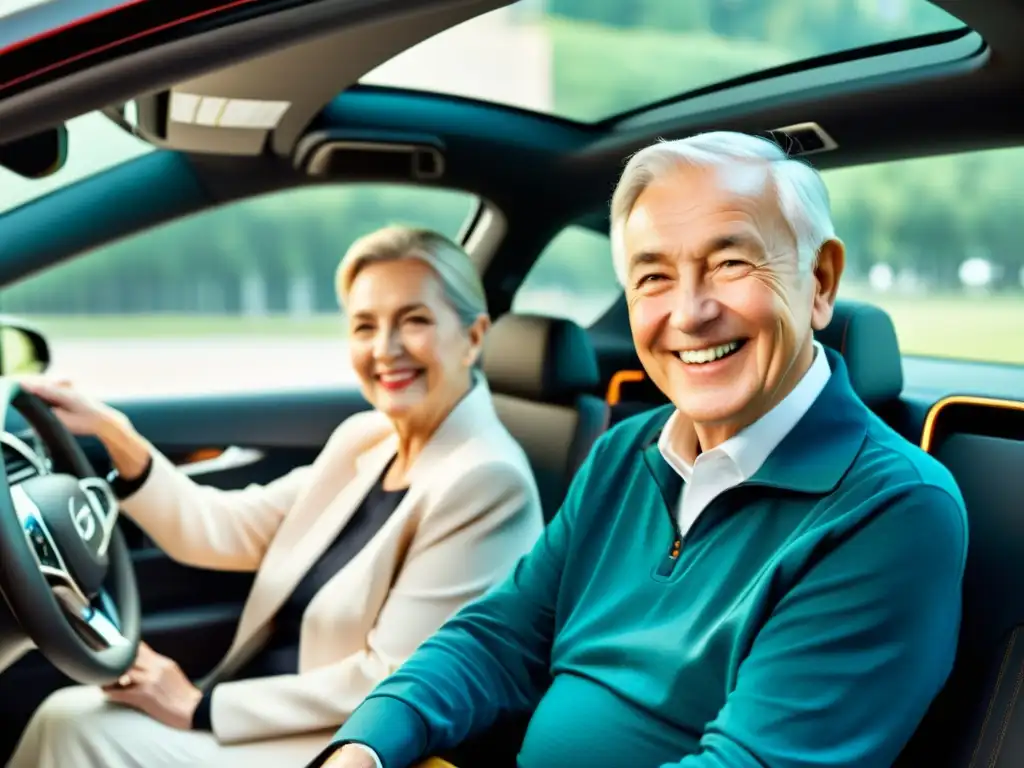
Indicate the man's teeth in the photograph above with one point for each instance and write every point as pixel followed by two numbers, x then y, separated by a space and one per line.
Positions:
pixel 709 354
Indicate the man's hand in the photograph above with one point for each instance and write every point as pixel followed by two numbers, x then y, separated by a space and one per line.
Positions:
pixel 350 756
pixel 156 685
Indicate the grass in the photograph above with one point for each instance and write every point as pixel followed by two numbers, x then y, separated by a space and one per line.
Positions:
pixel 989 328
pixel 983 328
pixel 171 326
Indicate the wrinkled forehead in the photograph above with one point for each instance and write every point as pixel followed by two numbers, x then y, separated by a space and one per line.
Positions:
pixel 688 203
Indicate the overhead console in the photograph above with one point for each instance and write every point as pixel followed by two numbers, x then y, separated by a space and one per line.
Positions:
pixel 195 122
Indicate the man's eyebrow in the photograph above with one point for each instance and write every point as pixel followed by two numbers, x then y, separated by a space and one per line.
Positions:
pixel 735 240
pixel 740 240
pixel 646 257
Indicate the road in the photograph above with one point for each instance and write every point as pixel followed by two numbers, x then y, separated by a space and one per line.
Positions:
pixel 116 368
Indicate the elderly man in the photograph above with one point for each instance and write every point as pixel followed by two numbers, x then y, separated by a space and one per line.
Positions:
pixel 762 573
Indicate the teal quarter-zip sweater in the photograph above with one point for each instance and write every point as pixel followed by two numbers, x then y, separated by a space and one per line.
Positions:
pixel 808 618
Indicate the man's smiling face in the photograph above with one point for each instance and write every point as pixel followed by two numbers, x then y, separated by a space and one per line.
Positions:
pixel 722 316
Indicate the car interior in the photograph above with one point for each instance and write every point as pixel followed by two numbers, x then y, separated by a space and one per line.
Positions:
pixel 558 384
pixel 543 373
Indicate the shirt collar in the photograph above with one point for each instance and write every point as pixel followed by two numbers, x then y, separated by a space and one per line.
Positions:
pixel 749 448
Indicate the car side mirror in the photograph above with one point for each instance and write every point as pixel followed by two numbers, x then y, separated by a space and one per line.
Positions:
pixel 23 350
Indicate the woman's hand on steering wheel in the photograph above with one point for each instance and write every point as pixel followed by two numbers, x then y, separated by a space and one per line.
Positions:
pixel 80 414
pixel 86 416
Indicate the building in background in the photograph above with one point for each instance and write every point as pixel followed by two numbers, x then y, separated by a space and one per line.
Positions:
pixel 506 50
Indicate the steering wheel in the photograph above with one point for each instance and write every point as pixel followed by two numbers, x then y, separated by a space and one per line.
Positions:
pixel 65 568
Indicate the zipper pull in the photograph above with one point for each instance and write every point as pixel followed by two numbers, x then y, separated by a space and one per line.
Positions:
pixel 668 564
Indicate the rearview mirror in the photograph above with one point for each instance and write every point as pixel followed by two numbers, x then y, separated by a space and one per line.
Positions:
pixel 38 155
pixel 23 350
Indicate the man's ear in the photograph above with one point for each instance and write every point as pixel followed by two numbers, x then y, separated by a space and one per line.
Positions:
pixel 827 272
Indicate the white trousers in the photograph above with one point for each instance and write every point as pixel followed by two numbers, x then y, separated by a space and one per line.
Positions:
pixel 78 728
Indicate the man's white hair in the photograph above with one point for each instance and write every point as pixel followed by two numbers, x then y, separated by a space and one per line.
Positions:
pixel 802 195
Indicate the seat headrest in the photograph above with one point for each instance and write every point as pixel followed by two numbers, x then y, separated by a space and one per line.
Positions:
pixel 864 335
pixel 540 358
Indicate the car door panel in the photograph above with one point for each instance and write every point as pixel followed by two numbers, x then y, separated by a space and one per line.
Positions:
pixel 189 613
pixel 282 432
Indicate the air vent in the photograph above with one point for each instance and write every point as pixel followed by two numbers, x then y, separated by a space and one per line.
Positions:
pixel 362 159
pixel 802 139
pixel 20 461
pixel 19 468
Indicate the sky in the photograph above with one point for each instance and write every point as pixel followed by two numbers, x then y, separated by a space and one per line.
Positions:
pixel 7 7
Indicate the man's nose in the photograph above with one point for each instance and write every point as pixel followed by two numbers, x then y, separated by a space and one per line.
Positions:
pixel 693 308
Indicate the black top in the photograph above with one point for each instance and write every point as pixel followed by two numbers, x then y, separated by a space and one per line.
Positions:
pixel 280 655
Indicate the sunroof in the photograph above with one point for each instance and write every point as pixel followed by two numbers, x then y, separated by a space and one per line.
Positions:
pixel 588 60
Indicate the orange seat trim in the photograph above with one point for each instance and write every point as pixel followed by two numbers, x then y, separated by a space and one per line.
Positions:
pixel 613 395
pixel 928 430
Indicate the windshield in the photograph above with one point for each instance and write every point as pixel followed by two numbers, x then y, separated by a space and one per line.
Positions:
pixel 95 144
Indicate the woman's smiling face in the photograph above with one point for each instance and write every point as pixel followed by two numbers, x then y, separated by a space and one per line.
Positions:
pixel 410 350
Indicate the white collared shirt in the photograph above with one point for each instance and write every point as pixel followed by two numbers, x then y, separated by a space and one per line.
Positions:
pixel 738 458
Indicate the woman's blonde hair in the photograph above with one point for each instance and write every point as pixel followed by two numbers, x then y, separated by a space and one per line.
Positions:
pixel 458 275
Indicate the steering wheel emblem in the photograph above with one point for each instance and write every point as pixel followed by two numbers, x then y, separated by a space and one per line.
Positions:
pixel 84 520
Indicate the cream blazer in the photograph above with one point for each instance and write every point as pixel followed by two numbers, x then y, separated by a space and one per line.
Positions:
pixel 471 511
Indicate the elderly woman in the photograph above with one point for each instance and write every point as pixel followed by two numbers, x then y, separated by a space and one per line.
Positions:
pixel 412 510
